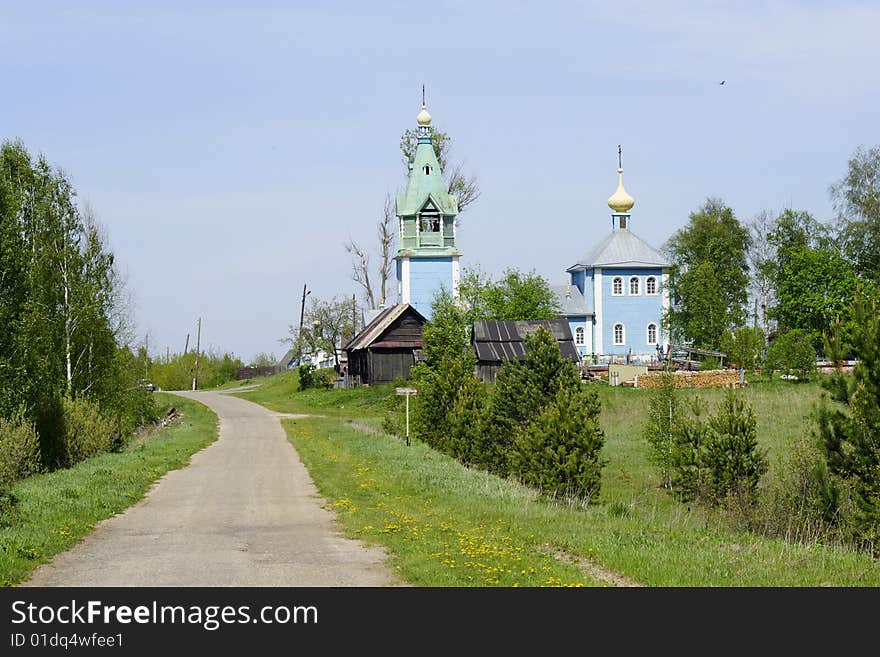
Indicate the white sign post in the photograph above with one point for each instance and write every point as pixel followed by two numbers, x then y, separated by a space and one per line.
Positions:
pixel 408 392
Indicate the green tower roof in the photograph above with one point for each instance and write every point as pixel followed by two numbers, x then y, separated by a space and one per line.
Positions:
pixel 425 177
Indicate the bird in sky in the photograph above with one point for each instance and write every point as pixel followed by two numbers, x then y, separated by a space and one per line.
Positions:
pixel 722 82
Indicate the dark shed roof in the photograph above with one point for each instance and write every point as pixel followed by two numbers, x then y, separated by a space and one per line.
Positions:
pixel 499 341
pixel 371 335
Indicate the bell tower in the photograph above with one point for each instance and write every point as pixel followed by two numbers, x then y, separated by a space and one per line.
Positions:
pixel 427 257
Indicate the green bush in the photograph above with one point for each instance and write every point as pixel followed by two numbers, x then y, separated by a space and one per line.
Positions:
pixel 792 353
pixel 523 389
pixel 86 431
pixel 19 451
pixel 733 460
pixel 465 422
pixel 558 453
pixel 717 460
pixel 663 425
pixel 311 378
pixel 744 346
pixel 849 429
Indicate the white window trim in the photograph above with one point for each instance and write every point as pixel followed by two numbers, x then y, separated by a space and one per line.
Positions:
pixel 579 332
pixel 656 287
pixel 622 287
pixel 629 286
pixel 648 333
pixel 622 334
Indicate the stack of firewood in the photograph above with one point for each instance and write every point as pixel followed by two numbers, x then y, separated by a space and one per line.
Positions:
pixel 686 379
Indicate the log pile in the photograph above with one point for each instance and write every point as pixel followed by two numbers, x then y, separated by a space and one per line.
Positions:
pixel 685 379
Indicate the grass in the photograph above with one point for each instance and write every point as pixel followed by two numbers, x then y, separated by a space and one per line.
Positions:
pixel 57 509
pixel 446 525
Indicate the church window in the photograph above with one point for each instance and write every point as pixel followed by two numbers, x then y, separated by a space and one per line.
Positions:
pixel 652 334
pixel 579 335
pixel 617 286
pixel 430 222
pixel 651 285
pixel 634 285
pixel 619 334
pixel 427 169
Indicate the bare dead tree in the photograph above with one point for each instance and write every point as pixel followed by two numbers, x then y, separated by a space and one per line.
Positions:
pixel 465 189
pixel 360 270
pixel 386 246
pixel 360 262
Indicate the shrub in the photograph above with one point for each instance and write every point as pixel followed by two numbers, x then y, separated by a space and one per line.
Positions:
pixel 850 434
pixel 734 461
pixel 664 425
pixel 465 422
pixel 744 346
pixel 558 453
pixel 523 389
pixel 86 431
pixel 792 353
pixel 310 378
pixel 19 451
pixel 717 461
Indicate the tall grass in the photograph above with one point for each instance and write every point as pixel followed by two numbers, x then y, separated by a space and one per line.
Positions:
pixel 427 508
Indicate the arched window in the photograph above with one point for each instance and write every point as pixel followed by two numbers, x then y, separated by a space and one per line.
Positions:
pixel 652 334
pixel 634 285
pixel 427 169
pixel 579 335
pixel 617 286
pixel 651 285
pixel 619 334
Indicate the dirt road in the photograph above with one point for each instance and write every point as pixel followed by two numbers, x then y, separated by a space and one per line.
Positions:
pixel 243 513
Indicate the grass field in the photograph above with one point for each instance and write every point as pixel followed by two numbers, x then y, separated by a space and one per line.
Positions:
pixel 446 525
pixel 56 510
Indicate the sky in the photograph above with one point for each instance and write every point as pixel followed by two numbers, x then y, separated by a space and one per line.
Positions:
pixel 230 149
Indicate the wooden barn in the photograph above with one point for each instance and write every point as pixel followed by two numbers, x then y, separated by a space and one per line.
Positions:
pixel 496 342
pixel 387 347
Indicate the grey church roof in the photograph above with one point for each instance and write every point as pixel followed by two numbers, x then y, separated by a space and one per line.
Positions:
pixel 573 303
pixel 621 249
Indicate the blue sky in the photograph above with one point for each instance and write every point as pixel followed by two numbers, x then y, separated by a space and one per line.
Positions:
pixel 231 148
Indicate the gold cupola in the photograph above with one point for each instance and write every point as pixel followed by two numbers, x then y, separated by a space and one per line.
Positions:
pixel 620 201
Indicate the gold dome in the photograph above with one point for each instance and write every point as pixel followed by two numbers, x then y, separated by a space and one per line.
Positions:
pixel 424 119
pixel 620 201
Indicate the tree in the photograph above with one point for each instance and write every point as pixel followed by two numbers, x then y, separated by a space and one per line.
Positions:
pixel 857 200
pixel 558 453
pixel 516 296
pixel 761 257
pixel 849 431
pixel 709 275
pixel 447 369
pixel 744 346
pixel 327 326
pixel 360 264
pixel 792 353
pixel 664 426
pixel 814 286
pixel 523 389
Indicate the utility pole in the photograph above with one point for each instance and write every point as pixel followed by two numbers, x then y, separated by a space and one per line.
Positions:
pixel 302 313
pixel 198 344
pixel 146 355
pixel 186 346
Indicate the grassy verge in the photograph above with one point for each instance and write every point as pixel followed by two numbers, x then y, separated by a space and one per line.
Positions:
pixel 56 510
pixel 446 525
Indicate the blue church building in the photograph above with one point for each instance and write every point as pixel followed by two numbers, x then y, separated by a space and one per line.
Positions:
pixel 617 294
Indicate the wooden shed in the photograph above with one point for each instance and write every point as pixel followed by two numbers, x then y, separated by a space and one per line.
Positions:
pixel 496 342
pixel 387 347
